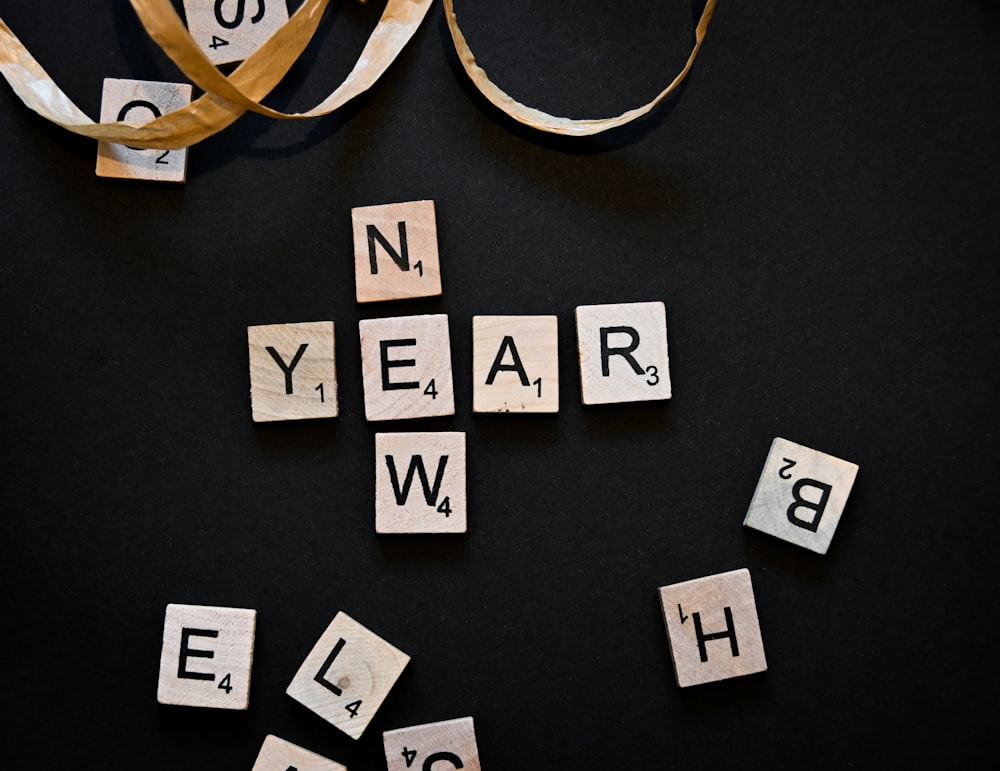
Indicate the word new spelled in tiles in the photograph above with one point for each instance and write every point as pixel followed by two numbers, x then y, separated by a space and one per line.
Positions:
pixel 347 675
pixel 206 656
pixel 137 102
pixel 800 495
pixel 420 483
pixel 230 30
pixel 515 364
pixel 452 743
pixel 406 367
pixel 712 628
pixel 623 352
pixel 278 755
pixel 396 251
pixel 293 374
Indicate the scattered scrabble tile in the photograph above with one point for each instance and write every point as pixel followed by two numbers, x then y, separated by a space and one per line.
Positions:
pixel 420 483
pixel 229 31
pixel 347 675
pixel 396 251
pixel 452 742
pixel 206 656
pixel 623 352
pixel 292 371
pixel 278 755
pixel 406 367
pixel 800 495
pixel 138 102
pixel 515 364
pixel 712 628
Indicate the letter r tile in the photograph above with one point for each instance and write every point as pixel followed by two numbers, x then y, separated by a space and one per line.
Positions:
pixel 800 495
pixel 347 675
pixel 623 352
pixel 712 628
pixel 293 374
pixel 420 483
pixel 206 656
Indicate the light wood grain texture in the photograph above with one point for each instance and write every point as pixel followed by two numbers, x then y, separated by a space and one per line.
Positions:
pixel 396 251
pixel 712 628
pixel 420 483
pixel 515 364
pixel 279 755
pixel 206 656
pixel 293 373
pixel 800 495
pixel 623 352
pixel 136 102
pixel 446 745
pixel 347 675
pixel 406 367
pixel 230 32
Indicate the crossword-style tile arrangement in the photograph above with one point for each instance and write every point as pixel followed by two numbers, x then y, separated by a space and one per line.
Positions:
pixel 713 632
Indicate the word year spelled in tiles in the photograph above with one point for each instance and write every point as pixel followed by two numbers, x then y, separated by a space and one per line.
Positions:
pixel 420 483
pixel 396 251
pixel 712 628
pixel 347 675
pixel 623 352
pixel 137 102
pixel 800 495
pixel 450 744
pixel 278 755
pixel 515 364
pixel 206 656
pixel 293 375
pixel 230 30
pixel 406 367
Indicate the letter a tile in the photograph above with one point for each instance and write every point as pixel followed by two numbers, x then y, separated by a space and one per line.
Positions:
pixel 452 743
pixel 292 371
pixel 800 495
pixel 278 755
pixel 406 367
pixel 420 483
pixel 137 102
pixel 712 628
pixel 347 675
pixel 515 364
pixel 206 656
pixel 623 352
pixel 230 31
pixel 396 251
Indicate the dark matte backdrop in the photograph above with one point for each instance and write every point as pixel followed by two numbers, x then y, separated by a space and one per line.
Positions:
pixel 818 209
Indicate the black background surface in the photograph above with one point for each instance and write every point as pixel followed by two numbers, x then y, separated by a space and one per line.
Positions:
pixel 819 212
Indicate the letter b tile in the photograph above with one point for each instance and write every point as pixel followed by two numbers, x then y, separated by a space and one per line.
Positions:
pixel 800 495
pixel 712 628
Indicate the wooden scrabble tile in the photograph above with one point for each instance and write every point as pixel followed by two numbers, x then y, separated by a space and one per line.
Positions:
pixel 232 30
pixel 278 755
pixel 396 251
pixel 420 483
pixel 450 742
pixel 800 495
pixel 712 628
pixel 623 352
pixel 293 374
pixel 406 367
pixel 206 656
pixel 347 675
pixel 137 102
pixel 515 364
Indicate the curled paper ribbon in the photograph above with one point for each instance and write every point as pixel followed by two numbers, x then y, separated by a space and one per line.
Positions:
pixel 227 98
pixel 529 116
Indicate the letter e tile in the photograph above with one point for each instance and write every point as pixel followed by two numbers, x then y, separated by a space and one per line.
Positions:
pixel 712 628
pixel 206 656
